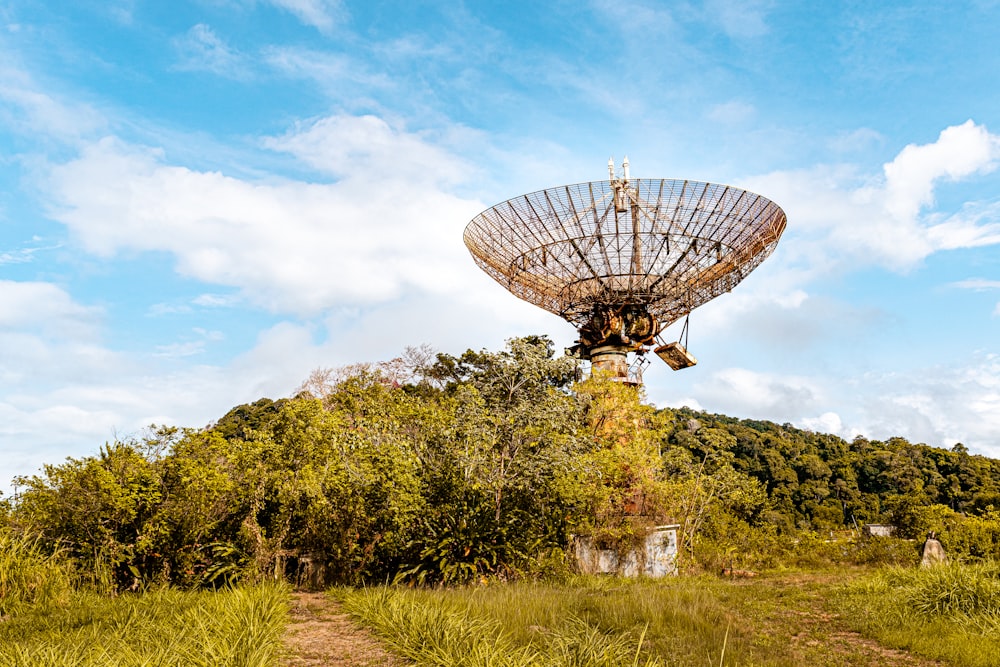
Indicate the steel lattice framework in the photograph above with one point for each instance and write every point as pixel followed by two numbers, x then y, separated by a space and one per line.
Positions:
pixel 665 246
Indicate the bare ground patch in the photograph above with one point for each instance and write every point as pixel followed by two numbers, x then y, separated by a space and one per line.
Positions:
pixel 320 633
pixel 817 635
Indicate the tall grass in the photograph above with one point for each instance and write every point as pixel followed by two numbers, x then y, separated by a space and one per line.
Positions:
pixel 433 630
pixel 28 575
pixel 949 612
pixel 587 621
pixel 167 627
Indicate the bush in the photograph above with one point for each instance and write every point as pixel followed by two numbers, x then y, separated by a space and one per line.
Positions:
pixel 974 537
pixel 885 551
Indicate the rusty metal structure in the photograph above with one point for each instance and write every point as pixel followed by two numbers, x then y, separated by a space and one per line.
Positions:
pixel 622 259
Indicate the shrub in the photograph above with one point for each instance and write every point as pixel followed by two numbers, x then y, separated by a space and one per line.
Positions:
pixel 885 551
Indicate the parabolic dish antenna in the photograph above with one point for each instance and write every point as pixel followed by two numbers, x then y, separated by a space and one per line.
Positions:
pixel 623 259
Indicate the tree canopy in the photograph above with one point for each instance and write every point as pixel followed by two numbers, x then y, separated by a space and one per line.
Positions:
pixel 441 468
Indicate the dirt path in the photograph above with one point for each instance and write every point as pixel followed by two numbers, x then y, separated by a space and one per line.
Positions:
pixel 813 633
pixel 838 645
pixel 320 633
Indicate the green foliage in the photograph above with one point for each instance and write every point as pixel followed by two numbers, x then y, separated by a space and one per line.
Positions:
pixel 462 543
pixel 883 551
pixel 96 508
pixel 454 468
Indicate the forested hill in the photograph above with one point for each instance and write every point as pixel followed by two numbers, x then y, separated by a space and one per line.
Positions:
pixel 437 468
pixel 820 481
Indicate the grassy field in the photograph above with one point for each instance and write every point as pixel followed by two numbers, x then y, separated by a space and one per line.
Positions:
pixel 843 618
pixel 596 621
pixel 948 615
pixel 240 627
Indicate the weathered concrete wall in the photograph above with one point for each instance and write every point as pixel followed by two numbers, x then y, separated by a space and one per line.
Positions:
pixel 655 557
pixel 877 530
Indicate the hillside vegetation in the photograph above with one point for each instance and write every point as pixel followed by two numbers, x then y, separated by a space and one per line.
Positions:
pixel 437 468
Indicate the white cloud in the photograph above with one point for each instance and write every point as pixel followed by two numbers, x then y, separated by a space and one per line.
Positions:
pixel 977 284
pixel 972 227
pixel 940 405
pixel 189 348
pixel 856 140
pixel 26 108
pixel 936 405
pixel 59 398
pixel 960 151
pixel 389 223
pixel 685 402
pixel 366 148
pixel 346 78
pixel 200 49
pixel 178 350
pixel 739 20
pixel 159 309
pixel 216 300
pixel 840 217
pixel 19 256
pixel 320 14
pixel 740 391
pixel 40 306
pixel 828 422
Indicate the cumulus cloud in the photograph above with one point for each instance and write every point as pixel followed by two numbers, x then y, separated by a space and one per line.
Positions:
pixel 741 391
pixel 960 151
pixel 940 405
pixel 387 224
pixel 828 422
pixel 838 216
pixel 73 413
pixel 937 405
pixel 46 308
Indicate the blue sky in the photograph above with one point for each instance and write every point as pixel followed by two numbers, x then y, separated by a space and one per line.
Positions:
pixel 203 201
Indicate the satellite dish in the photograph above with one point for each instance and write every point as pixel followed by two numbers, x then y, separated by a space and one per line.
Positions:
pixel 623 259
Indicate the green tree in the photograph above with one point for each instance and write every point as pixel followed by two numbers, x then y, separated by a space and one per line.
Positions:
pixel 97 508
